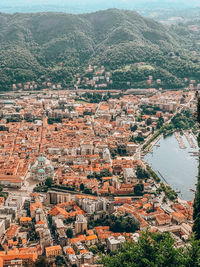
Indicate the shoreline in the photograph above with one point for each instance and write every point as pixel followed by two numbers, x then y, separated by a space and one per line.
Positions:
pixel 159 174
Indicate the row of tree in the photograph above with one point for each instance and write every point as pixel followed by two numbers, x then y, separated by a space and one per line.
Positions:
pixel 117 224
pixel 196 212
pixel 155 250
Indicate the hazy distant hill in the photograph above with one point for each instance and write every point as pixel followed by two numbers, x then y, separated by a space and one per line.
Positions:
pixel 83 6
pixel 33 45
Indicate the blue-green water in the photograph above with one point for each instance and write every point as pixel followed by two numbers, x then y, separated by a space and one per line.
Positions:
pixel 177 166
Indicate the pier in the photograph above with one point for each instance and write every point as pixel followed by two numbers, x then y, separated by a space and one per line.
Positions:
pixel 180 140
pixel 175 166
pixel 194 154
pixel 189 139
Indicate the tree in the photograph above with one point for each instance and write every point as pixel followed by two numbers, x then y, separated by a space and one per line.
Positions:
pixel 134 128
pixel 160 122
pixel 196 212
pixel 59 261
pixel 138 189
pixel 117 224
pixel 1 248
pixel 139 139
pixel 87 191
pixel 193 253
pixel 158 125
pixel 198 110
pixel 49 182
pixel 149 121
pixel 19 240
pixel 50 220
pixel 42 262
pixel 151 250
pixel 121 150
pixel 82 187
pixel 141 173
pixel 69 233
pixel 94 249
pixel 87 113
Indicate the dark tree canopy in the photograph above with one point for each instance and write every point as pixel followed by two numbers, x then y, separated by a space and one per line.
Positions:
pixel 154 250
pixel 69 233
pixel 196 212
pixel 54 47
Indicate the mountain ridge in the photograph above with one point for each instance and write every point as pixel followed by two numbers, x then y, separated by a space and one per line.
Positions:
pixel 83 6
pixel 32 45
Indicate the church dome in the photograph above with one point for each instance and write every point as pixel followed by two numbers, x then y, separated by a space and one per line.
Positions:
pixel 32 168
pixel 41 171
pixel 51 167
pixel 41 158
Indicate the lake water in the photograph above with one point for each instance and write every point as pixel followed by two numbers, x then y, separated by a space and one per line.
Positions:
pixel 177 166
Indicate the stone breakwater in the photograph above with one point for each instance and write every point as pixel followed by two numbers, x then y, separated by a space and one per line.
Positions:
pixel 180 140
pixel 189 139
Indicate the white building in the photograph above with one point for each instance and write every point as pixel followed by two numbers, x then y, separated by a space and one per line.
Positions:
pixel 42 169
pixel 115 243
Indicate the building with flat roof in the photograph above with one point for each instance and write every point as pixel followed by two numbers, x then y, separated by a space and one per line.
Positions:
pixel 53 251
pixel 80 224
pixel 11 181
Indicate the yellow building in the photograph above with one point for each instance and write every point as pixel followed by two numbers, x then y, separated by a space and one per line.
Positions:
pixel 25 220
pixel 53 251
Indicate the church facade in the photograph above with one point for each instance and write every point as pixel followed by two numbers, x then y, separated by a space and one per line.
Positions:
pixel 42 169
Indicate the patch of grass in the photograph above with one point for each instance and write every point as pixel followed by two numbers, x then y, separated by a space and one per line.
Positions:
pixel 145 67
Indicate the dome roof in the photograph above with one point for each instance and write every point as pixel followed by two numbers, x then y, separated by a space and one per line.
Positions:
pixel 41 158
pixel 32 168
pixel 51 167
pixel 41 171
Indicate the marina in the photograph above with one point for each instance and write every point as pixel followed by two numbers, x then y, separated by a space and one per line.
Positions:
pixel 189 139
pixel 176 166
pixel 180 140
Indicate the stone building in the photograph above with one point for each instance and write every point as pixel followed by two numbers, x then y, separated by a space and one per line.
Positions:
pixel 42 169
pixel 80 224
pixel 53 251
pixel 53 197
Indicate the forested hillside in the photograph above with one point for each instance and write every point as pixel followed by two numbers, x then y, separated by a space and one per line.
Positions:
pixel 32 46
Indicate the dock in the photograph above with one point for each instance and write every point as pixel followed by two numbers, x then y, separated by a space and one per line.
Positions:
pixel 192 190
pixel 189 139
pixel 180 140
pixel 194 154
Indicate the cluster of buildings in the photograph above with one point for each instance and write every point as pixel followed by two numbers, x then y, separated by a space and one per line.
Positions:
pixel 33 85
pixel 98 78
pixel 38 224
pixel 94 78
pixel 91 152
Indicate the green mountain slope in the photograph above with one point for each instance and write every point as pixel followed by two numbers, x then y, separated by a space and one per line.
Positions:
pixel 33 45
